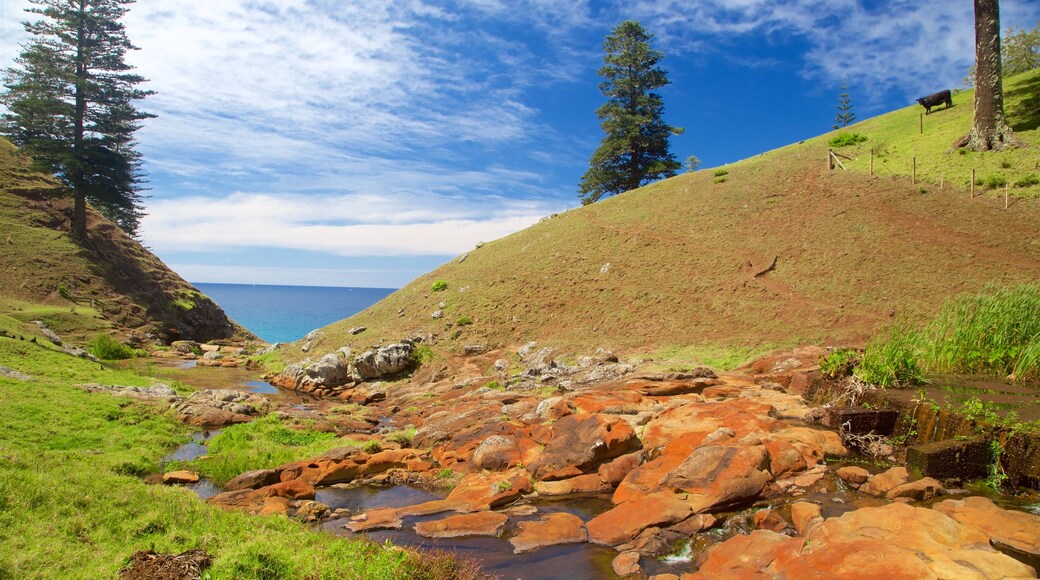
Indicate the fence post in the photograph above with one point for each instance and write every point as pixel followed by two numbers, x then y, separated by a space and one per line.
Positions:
pixel 915 170
pixel 830 160
pixel 973 184
pixel 922 123
pixel 942 181
pixel 1006 186
pixel 871 161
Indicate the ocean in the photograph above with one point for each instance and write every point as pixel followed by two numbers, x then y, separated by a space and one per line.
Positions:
pixel 288 313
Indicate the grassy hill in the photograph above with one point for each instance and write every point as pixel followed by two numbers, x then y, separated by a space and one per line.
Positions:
pixel 774 250
pixel 110 283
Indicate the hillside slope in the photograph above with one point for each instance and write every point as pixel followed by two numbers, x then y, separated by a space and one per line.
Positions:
pixel 116 282
pixel 778 251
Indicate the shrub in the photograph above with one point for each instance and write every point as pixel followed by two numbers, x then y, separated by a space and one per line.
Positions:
pixel 721 172
pixel 846 139
pixel 439 286
pixel 464 321
pixel 106 348
pixel 720 180
pixel 422 354
pixel 1028 181
pixel 992 181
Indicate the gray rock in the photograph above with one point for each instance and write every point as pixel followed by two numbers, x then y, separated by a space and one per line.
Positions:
pixel 10 373
pixel 269 349
pixel 212 355
pixel 331 370
pixel 357 330
pixel 252 480
pixel 387 360
pixel 437 314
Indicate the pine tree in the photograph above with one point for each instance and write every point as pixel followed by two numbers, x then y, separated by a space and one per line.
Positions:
pixel 989 129
pixel 845 115
pixel 635 149
pixel 70 101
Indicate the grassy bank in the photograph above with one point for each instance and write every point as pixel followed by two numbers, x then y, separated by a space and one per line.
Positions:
pixel 72 504
pixel 995 332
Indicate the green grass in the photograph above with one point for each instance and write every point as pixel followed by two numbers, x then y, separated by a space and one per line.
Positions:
pixel 106 348
pixel 719 357
pixel 897 139
pixel 72 504
pixel 262 444
pixel 995 332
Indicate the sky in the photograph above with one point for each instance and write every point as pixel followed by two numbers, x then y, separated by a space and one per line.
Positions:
pixel 364 143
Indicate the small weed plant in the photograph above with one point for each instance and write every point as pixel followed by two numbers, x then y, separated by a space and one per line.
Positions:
pixel 846 139
pixel 839 363
pixel 721 173
pixel 421 355
pixel 439 286
pixel 464 321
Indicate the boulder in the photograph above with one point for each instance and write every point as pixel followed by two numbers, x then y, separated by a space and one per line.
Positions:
pixel 719 476
pixel 252 500
pixel 580 443
pixel 881 483
pixel 626 563
pixel 853 475
pixel 331 370
pixel 920 490
pixel 769 519
pixel 385 361
pixel 551 530
pixel 252 480
pixel 497 453
pixel 806 516
pixel 582 484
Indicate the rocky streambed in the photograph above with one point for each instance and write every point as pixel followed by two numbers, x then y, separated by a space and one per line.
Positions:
pixel 597 469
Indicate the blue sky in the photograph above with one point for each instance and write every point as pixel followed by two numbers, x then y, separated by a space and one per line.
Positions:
pixel 350 143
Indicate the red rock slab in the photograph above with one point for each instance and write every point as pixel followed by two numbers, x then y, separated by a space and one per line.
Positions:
pixel 480 491
pixel 624 522
pixel 920 490
pixel 769 519
pixel 590 483
pixel 894 541
pixel 252 500
pixel 626 563
pixel 377 519
pixel 853 475
pixel 614 471
pixel 552 530
pixel 721 475
pixel 608 400
pixel 1017 530
pixel 806 517
pixel 472 524
pixel 580 443
pixel 741 415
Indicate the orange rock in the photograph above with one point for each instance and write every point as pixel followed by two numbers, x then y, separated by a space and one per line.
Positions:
pixel 920 490
pixel 590 483
pixel 472 524
pixel 1019 531
pixel 580 443
pixel 769 519
pixel 479 491
pixel 552 530
pixel 881 483
pixel 805 516
pixel 180 477
pixel 626 563
pixel 853 475
pixel 624 522
pixel 377 519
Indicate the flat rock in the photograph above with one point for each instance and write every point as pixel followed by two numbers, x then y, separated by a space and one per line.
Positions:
pixel 624 522
pixel 626 563
pixel 377 519
pixel 893 541
pixel 582 484
pixel 1012 532
pixel 805 516
pixel 252 480
pixel 769 519
pixel 853 475
pixel 180 477
pixel 472 524
pixel 551 530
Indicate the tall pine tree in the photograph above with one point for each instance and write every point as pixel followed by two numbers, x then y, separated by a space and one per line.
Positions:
pixel 70 101
pixel 845 115
pixel 635 149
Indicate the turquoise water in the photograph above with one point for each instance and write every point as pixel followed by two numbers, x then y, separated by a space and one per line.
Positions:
pixel 287 313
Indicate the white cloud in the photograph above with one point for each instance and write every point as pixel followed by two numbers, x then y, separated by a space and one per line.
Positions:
pixel 904 46
pixel 345 225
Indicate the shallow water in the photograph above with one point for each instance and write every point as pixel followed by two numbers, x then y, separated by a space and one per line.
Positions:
pixel 262 388
pixel 568 562
pixel 192 449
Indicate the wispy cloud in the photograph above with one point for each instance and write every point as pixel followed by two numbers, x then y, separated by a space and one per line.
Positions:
pixel 346 225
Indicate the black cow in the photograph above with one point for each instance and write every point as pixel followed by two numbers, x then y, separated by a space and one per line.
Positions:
pixel 936 100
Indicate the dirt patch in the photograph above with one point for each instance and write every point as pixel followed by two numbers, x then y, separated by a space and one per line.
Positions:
pixel 147 565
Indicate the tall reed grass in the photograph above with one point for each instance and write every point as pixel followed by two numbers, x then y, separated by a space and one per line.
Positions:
pixel 995 332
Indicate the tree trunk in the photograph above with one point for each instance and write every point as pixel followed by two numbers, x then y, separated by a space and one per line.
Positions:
pixel 79 206
pixel 989 130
